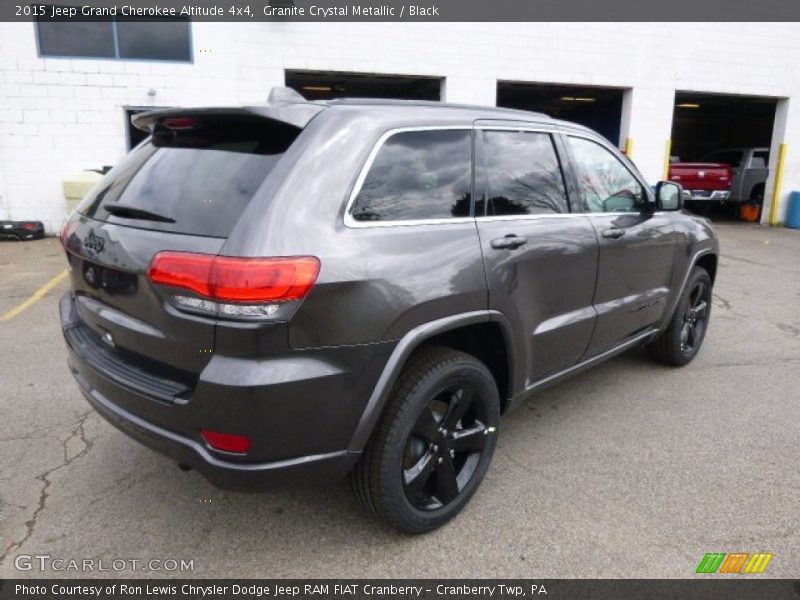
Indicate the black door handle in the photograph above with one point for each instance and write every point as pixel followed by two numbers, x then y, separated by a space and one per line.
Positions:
pixel 509 242
pixel 613 234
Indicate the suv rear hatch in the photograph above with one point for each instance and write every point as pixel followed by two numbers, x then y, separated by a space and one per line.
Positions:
pixel 182 190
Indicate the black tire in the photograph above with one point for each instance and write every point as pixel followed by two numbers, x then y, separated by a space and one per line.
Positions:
pixel 757 194
pixel 681 340
pixel 410 463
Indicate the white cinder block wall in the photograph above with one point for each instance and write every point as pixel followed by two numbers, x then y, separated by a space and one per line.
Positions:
pixel 58 116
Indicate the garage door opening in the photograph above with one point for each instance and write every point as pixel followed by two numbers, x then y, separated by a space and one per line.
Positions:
pixel 725 129
pixel 325 85
pixel 597 107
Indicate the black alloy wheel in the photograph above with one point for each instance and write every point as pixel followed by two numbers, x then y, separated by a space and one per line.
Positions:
pixel 434 442
pixel 681 339
pixel 445 446
pixel 694 317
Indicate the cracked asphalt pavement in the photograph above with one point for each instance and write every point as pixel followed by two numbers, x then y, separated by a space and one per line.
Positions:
pixel 628 470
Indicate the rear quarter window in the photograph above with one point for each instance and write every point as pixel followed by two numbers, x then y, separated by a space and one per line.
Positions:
pixel 760 159
pixel 418 175
pixel 196 180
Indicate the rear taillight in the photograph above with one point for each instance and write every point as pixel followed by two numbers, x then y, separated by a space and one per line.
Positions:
pixel 64 237
pixel 227 442
pixel 232 286
pixel 29 226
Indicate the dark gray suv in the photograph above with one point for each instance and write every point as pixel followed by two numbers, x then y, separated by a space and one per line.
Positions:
pixel 301 290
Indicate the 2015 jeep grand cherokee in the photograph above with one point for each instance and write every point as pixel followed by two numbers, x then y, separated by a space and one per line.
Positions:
pixel 298 291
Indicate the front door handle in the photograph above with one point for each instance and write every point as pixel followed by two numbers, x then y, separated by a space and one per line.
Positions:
pixel 509 242
pixel 613 234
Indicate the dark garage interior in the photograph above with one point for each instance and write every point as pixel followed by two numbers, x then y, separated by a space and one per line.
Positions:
pixel 324 85
pixel 703 123
pixel 597 107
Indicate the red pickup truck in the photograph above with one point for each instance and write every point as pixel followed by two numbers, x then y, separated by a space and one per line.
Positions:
pixel 705 182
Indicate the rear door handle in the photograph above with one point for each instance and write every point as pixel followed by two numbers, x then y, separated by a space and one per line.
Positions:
pixel 509 242
pixel 613 234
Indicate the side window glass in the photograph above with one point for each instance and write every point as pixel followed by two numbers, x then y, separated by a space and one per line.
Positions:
pixel 418 175
pixel 605 183
pixel 523 175
pixel 760 160
pixel 728 157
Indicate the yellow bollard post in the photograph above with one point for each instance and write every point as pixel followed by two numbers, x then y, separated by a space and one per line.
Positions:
pixel 776 192
pixel 666 159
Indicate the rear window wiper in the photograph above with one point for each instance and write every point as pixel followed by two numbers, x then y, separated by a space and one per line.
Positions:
pixel 131 212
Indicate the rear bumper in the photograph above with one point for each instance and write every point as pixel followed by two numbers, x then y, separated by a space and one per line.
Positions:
pixel 300 410
pixel 224 474
pixel 709 195
pixel 22 230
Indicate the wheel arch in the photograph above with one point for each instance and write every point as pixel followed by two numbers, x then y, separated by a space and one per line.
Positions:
pixel 706 258
pixel 478 333
pixel 758 187
pixel 486 342
pixel 709 263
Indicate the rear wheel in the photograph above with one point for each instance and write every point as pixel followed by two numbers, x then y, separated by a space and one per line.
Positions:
pixel 757 194
pixel 681 340
pixel 434 443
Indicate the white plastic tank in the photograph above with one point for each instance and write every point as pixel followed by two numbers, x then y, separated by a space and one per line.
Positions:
pixel 76 186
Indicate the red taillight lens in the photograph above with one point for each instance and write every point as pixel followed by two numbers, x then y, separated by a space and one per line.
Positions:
pixel 233 279
pixel 227 442
pixel 263 279
pixel 183 270
pixel 29 226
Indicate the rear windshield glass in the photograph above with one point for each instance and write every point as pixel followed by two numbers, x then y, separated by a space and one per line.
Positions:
pixel 728 157
pixel 195 178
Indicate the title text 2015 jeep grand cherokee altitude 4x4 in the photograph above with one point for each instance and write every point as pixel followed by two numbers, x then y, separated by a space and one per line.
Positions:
pixel 298 291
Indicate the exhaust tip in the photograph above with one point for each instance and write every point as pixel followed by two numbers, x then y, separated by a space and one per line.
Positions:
pixel 184 467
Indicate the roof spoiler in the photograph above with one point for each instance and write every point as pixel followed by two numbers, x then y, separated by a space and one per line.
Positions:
pixel 296 115
pixel 284 95
pixel 284 104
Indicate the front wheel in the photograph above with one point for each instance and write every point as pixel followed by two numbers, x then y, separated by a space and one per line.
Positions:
pixel 681 340
pixel 434 443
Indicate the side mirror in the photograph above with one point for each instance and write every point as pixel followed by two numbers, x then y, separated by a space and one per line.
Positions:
pixel 669 195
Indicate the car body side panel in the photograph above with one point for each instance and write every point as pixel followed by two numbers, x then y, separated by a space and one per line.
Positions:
pixel 633 275
pixel 544 287
pixel 375 283
pixel 694 238
pixel 379 283
pixel 750 176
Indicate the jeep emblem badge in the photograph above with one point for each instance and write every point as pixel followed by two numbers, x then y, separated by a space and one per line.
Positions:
pixel 93 243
